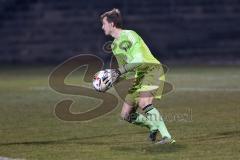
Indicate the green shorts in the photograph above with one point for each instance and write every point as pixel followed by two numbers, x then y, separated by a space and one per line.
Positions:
pixel 149 79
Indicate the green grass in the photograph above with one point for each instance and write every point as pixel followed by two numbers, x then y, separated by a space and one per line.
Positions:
pixel 209 97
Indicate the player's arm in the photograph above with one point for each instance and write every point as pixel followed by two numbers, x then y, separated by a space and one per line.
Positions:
pixel 116 73
pixel 128 67
pixel 131 45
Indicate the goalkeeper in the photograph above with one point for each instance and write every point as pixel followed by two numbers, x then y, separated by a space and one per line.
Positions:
pixel 133 56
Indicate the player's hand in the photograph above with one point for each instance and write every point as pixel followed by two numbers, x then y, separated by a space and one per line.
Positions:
pixel 115 74
pixel 112 78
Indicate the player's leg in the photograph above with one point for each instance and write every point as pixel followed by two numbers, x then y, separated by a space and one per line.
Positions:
pixel 145 103
pixel 129 108
pixel 130 115
pixel 146 95
pixel 135 117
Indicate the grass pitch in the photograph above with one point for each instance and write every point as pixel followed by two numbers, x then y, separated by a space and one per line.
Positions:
pixel 202 113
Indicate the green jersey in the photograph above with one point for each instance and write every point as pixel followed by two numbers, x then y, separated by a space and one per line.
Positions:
pixel 130 48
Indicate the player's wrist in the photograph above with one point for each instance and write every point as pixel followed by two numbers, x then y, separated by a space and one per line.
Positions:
pixel 121 70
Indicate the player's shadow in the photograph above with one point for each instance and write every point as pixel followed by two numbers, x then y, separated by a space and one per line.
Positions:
pixel 90 140
pixel 229 133
pixel 151 149
pixel 133 146
pixel 166 148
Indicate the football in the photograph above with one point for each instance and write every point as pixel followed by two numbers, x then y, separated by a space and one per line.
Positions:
pixel 98 79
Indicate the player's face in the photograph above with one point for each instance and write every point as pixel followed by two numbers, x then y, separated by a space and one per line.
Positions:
pixel 106 26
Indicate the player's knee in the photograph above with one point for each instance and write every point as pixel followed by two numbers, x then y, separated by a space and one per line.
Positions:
pixel 143 103
pixel 145 99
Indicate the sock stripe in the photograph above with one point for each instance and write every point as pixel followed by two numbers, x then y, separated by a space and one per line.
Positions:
pixel 148 108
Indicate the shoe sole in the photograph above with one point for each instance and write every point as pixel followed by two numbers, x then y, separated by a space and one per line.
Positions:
pixel 167 142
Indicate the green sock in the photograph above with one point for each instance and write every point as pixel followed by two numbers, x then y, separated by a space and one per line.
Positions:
pixel 154 115
pixel 141 120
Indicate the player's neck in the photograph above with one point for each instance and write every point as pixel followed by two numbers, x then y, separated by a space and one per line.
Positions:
pixel 116 33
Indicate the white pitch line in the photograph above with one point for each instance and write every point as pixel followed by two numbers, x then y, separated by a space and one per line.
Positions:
pixel 7 158
pixel 46 88
pixel 39 88
pixel 207 89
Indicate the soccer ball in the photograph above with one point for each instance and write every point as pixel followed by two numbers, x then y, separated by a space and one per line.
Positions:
pixel 98 79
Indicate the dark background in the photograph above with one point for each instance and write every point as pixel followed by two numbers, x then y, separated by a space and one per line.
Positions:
pixel 176 31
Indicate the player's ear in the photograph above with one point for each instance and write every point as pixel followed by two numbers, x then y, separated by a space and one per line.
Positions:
pixel 112 24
